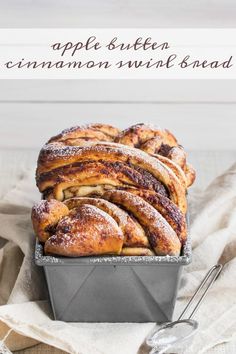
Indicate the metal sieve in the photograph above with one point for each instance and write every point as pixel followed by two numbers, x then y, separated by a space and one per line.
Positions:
pixel 181 331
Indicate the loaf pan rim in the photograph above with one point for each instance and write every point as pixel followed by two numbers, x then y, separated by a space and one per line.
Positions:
pixel 42 260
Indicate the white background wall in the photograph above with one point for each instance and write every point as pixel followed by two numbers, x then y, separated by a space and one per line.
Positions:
pixel 117 13
pixel 201 113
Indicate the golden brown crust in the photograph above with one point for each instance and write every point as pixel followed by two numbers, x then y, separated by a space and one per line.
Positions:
pixel 145 137
pixel 53 156
pixel 85 231
pixel 136 251
pixel 166 208
pixel 138 134
pixel 156 141
pixel 93 226
pixel 94 173
pixel 152 146
pixel 45 215
pixel 134 235
pixel 190 174
pixel 173 153
pixel 174 160
pixel 162 237
pixel 177 155
pixel 174 167
pixel 79 134
pixel 124 192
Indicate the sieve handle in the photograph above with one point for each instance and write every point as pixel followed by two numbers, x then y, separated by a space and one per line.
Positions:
pixel 212 274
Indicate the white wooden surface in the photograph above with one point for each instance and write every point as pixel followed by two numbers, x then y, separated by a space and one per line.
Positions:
pixel 197 126
pixel 119 91
pixel 117 13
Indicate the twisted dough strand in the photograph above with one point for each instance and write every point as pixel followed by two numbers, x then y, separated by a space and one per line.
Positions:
pixel 134 235
pixel 89 226
pixel 53 156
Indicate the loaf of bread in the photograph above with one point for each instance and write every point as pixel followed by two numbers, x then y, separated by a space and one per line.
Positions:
pixel 111 192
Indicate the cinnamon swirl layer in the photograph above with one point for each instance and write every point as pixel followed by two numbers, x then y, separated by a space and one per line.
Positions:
pixel 85 231
pixel 53 156
pixel 121 224
pixel 134 235
pixel 166 208
pixel 139 134
pixel 163 239
pixel 90 132
pixel 89 173
pixel 174 167
pixel 45 215
pixel 156 142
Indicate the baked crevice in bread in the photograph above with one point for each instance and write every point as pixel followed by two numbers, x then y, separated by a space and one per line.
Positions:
pixel 85 231
pixel 95 173
pixel 166 208
pixel 161 235
pixel 134 235
pixel 159 142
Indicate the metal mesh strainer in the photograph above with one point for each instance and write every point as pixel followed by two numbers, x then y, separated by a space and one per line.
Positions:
pixel 172 334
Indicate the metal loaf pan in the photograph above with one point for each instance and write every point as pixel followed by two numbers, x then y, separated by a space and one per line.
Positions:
pixel 113 289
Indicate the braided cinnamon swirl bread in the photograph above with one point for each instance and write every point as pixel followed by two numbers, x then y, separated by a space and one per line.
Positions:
pixel 135 181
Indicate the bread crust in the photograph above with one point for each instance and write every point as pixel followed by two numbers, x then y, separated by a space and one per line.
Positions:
pixel 132 251
pixel 45 215
pixel 85 231
pixel 166 208
pixel 134 234
pixel 97 173
pixel 79 134
pixel 158 142
pixel 53 156
pixel 163 239
pixel 138 134
pixel 120 220
pixel 112 192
